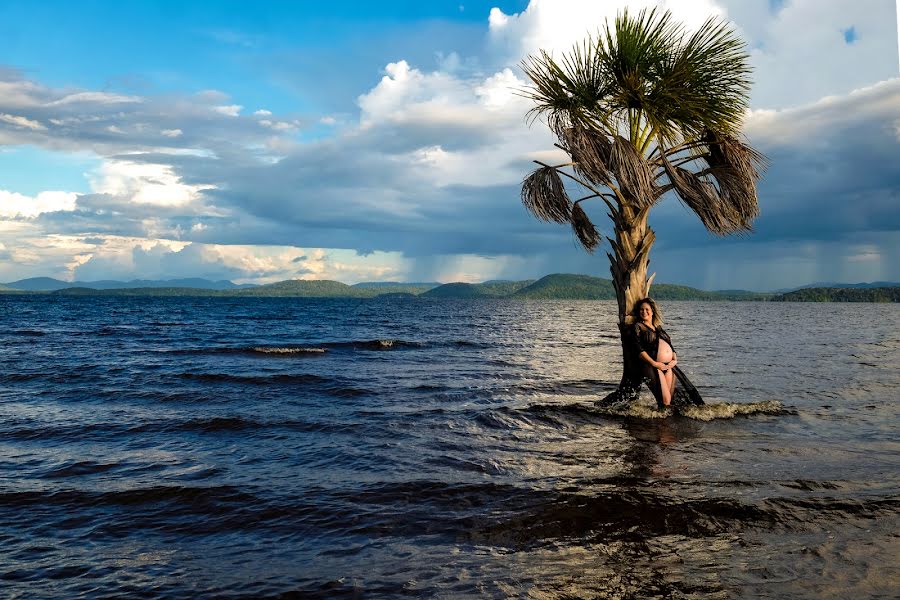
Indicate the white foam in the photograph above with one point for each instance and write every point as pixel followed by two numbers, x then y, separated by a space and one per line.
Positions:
pixel 291 350
pixel 707 412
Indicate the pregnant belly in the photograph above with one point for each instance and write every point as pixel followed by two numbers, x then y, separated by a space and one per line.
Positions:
pixel 664 352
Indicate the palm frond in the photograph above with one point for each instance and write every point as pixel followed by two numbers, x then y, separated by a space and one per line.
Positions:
pixel 736 167
pixel 721 212
pixel 703 198
pixel 544 195
pixel 590 151
pixel 704 84
pixel 632 172
pixel 584 229
pixel 727 151
pixel 638 102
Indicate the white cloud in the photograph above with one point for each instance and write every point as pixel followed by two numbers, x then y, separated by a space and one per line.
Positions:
pixel 279 125
pixel 94 98
pixel 230 110
pixel 499 90
pixel 263 113
pixel 556 25
pixel 403 87
pixel 14 205
pixel 130 258
pixel 20 121
pixel 18 93
pixel 801 54
pixel 144 183
pixel 878 102
pixel 171 133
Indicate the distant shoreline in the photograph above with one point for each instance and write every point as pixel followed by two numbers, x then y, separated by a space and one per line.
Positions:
pixel 550 287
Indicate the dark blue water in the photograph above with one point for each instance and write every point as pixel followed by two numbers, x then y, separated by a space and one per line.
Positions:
pixel 288 448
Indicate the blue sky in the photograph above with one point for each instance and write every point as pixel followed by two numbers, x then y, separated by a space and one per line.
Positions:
pixel 382 141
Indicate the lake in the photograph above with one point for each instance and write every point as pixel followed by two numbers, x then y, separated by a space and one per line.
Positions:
pixel 288 448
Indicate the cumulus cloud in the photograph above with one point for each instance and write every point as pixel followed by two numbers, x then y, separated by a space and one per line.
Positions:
pixel 144 183
pixel 556 25
pixel 13 205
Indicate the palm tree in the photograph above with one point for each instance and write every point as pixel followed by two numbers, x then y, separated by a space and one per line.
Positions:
pixel 644 109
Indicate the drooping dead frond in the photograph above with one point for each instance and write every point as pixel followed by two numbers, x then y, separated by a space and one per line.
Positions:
pixel 740 195
pixel 632 172
pixel 590 151
pixel 735 166
pixel 544 195
pixel 702 197
pixel 726 150
pixel 584 229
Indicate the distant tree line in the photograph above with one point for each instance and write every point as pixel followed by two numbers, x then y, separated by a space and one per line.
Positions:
pixel 881 294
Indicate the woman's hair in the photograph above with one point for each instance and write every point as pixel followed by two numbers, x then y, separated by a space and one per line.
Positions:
pixel 657 316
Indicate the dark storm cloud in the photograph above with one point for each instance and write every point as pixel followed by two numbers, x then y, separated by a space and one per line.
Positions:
pixel 833 173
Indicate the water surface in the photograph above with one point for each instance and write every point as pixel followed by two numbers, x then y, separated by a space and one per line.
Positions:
pixel 246 448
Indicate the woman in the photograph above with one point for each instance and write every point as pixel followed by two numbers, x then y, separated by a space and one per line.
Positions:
pixel 654 349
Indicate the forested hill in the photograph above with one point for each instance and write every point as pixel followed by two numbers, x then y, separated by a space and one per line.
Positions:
pixel 878 294
pixel 551 287
pixel 488 289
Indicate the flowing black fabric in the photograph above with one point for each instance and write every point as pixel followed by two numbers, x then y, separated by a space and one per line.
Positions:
pixel 693 396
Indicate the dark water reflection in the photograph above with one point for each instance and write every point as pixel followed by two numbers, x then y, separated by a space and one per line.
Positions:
pixel 220 448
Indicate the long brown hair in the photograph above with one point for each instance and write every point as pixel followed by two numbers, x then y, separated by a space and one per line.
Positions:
pixel 636 312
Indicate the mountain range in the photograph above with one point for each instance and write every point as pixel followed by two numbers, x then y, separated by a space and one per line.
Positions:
pixel 556 286
pixel 48 284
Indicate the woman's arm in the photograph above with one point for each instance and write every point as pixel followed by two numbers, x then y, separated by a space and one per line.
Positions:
pixel 654 363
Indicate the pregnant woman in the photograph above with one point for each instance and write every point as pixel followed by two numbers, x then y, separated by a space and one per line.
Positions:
pixel 654 348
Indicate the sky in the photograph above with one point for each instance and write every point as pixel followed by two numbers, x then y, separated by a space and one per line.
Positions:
pixel 385 141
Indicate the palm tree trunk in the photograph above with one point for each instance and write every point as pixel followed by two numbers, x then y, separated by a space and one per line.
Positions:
pixel 628 266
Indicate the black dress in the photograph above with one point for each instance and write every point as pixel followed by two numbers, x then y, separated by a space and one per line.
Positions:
pixel 644 339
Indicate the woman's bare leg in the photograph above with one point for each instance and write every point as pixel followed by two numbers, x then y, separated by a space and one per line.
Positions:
pixel 665 354
pixel 665 386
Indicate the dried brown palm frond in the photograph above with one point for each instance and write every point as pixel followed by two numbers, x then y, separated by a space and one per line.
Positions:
pixel 739 194
pixel 727 150
pixel 736 167
pixel 590 151
pixel 632 172
pixel 544 195
pixel 702 197
pixel 584 229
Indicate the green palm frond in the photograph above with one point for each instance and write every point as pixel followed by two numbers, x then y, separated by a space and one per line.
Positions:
pixel 645 107
pixel 645 73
